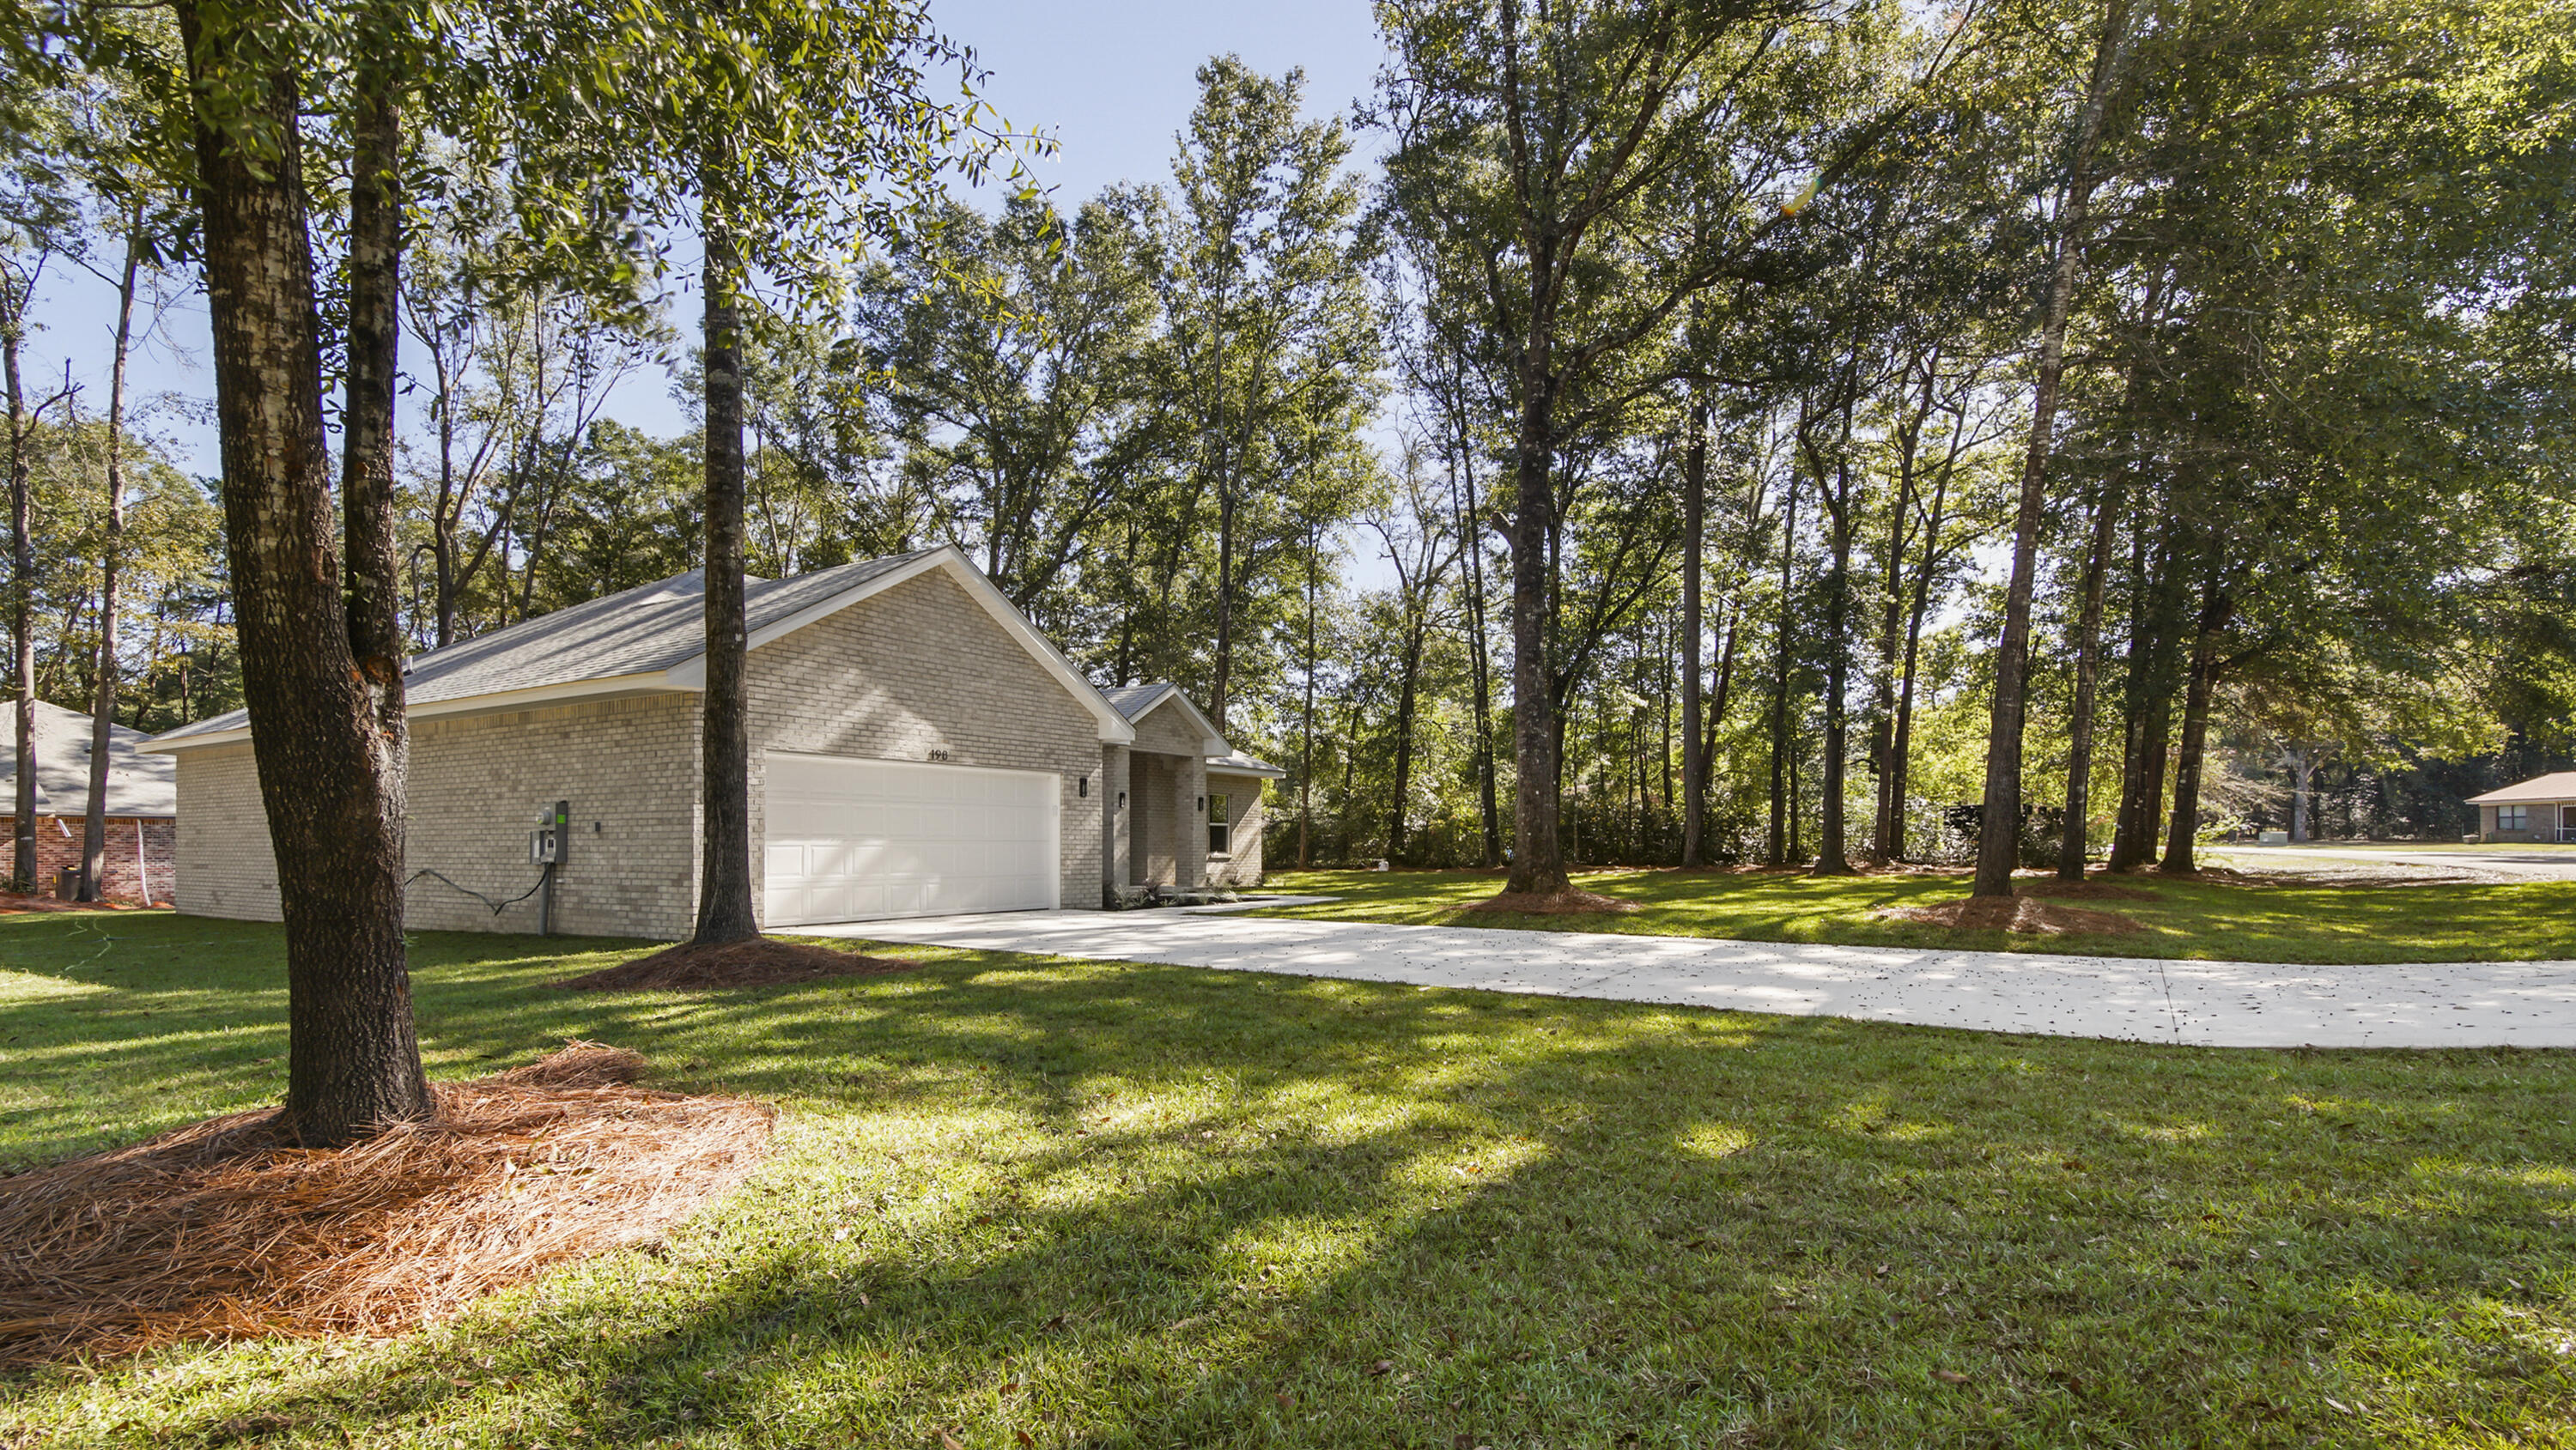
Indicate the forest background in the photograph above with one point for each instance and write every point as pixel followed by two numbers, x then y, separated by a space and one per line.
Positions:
pixel 1258 426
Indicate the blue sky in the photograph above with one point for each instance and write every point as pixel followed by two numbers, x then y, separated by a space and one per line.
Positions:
pixel 1113 83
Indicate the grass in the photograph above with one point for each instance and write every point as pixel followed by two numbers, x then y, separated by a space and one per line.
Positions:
pixel 1022 1201
pixel 2209 919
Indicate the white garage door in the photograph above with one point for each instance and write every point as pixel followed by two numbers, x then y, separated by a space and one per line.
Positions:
pixel 851 839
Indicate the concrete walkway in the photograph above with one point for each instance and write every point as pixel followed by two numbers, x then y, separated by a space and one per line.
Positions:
pixel 2220 1004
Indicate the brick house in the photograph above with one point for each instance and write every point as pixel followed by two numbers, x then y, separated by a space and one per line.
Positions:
pixel 2542 808
pixel 142 803
pixel 917 748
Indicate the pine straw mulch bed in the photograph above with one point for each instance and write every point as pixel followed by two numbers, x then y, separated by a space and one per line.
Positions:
pixel 12 901
pixel 2057 890
pixel 2026 915
pixel 225 1228
pixel 760 962
pixel 1553 903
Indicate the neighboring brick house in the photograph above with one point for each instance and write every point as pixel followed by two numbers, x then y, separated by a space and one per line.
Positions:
pixel 917 747
pixel 2542 808
pixel 142 800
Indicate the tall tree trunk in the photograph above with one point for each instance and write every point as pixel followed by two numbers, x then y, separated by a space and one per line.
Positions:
pixel 1832 858
pixel 1306 748
pixel 333 809
pixel 1480 668
pixel 725 911
pixel 2076 845
pixel 1220 693
pixel 1999 828
pixel 1901 741
pixel 2303 772
pixel 1399 798
pixel 112 560
pixel 1694 528
pixel 1538 859
pixel 22 598
pixel 1779 844
pixel 2147 701
pixel 2183 835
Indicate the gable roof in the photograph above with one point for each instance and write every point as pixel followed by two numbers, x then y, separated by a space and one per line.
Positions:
pixel 1138 701
pixel 652 639
pixel 2558 786
pixel 137 784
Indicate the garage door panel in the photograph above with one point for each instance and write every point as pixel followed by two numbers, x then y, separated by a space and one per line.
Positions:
pixel 849 839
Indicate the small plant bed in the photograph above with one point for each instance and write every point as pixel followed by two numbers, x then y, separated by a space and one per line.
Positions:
pixel 2025 915
pixel 2216 913
pixel 228 1228
pixel 1556 903
pixel 13 901
pixel 761 962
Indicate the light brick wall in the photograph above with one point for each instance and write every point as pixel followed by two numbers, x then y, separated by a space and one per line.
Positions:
pixel 1167 730
pixel 627 766
pixel 1244 821
pixel 917 669
pixel 122 877
pixel 226 867
pixel 629 769
pixel 922 668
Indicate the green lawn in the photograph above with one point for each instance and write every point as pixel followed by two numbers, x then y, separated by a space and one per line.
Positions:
pixel 2526 921
pixel 1029 1202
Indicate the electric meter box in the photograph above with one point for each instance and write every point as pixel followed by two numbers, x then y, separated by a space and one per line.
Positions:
pixel 546 842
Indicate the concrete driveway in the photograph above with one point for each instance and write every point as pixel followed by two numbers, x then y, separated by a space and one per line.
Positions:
pixel 2218 1004
pixel 2362 863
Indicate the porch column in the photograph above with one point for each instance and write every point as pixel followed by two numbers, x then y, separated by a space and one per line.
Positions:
pixel 1189 854
pixel 1115 867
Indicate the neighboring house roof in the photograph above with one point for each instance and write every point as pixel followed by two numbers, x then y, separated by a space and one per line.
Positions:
pixel 652 638
pixel 137 784
pixel 2558 786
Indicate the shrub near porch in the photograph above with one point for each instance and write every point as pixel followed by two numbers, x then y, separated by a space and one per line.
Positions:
pixel 1098 1204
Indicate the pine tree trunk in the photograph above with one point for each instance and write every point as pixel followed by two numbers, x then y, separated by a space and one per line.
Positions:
pixel 103 685
pixel 2183 834
pixel 1538 859
pixel 2075 847
pixel 1999 824
pixel 22 602
pixel 725 911
pixel 1779 847
pixel 333 809
pixel 1694 526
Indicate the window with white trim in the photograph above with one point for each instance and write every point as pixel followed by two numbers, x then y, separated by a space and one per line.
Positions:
pixel 1220 830
pixel 2513 818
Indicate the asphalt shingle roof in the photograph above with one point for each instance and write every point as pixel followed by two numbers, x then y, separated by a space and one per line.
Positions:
pixel 137 784
pixel 636 631
pixel 1132 701
pixel 2559 786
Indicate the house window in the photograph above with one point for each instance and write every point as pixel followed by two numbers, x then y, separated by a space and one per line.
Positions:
pixel 1220 834
pixel 2513 818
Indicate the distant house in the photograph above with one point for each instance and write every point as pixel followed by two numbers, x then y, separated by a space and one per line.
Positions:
pixel 2542 808
pixel 142 804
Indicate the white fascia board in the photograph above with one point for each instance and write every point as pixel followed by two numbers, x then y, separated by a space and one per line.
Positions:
pixel 501 702
pixel 1265 772
pixel 691 674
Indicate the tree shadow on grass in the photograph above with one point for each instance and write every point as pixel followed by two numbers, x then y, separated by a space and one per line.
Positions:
pixel 1112 1205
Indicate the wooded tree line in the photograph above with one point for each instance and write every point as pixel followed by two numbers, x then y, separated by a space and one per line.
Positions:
pixel 1709 431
